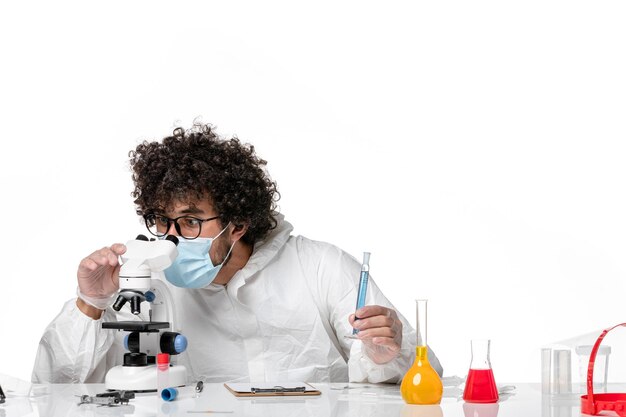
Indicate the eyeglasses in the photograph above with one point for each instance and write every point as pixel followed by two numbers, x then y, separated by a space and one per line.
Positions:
pixel 188 227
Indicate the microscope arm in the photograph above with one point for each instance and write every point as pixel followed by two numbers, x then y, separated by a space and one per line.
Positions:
pixel 163 305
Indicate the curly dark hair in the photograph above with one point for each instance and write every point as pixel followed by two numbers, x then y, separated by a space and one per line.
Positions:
pixel 196 164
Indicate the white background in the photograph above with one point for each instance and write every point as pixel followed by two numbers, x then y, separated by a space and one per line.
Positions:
pixel 476 148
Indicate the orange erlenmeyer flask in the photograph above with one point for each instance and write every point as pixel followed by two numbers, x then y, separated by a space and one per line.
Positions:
pixel 480 386
pixel 421 384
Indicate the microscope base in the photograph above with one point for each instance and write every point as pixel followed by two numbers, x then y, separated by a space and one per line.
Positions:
pixel 142 378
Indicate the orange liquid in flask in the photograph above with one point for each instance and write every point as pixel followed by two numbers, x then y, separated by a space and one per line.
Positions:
pixel 421 384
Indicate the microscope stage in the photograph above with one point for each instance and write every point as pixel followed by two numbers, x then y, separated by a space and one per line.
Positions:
pixel 136 326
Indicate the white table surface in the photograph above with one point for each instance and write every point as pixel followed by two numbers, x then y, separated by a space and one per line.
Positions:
pixel 356 400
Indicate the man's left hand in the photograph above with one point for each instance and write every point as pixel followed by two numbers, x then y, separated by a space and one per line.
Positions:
pixel 380 330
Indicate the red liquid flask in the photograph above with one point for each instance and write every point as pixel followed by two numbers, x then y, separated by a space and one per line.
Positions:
pixel 480 386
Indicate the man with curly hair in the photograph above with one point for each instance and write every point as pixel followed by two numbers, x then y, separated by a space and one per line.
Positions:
pixel 262 305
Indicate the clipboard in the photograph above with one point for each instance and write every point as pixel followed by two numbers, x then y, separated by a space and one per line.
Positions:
pixel 271 389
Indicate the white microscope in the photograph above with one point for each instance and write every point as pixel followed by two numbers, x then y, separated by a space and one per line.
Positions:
pixel 141 279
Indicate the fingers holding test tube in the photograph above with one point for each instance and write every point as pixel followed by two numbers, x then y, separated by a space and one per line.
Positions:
pixel 380 330
pixel 376 326
pixel 376 322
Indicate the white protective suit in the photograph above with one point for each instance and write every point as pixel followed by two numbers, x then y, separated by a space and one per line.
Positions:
pixel 268 324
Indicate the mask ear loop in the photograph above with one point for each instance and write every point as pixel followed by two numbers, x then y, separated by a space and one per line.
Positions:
pixel 220 233
pixel 228 254
pixel 231 246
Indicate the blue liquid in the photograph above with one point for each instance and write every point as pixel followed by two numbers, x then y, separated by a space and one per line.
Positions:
pixel 360 301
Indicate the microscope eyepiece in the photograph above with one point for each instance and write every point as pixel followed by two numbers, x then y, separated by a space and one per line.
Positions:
pixel 172 239
pixel 141 237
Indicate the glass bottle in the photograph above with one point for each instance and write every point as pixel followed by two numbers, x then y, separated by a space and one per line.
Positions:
pixel 480 386
pixel 421 384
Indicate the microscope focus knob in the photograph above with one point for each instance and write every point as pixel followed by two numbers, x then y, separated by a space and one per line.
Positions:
pixel 173 343
pixel 131 342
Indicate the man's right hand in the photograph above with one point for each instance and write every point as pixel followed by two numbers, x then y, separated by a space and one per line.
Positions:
pixel 98 278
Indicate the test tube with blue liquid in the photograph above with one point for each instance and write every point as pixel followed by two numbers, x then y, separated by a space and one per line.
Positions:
pixel 365 274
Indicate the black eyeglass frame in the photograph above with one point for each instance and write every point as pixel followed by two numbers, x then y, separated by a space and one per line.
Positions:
pixel 146 219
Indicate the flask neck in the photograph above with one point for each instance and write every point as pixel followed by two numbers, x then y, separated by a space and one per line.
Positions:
pixel 480 354
pixel 421 353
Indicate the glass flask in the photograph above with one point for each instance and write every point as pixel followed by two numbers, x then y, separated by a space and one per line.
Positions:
pixel 480 386
pixel 421 383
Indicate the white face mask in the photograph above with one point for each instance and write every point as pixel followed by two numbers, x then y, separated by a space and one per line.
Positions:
pixel 193 267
